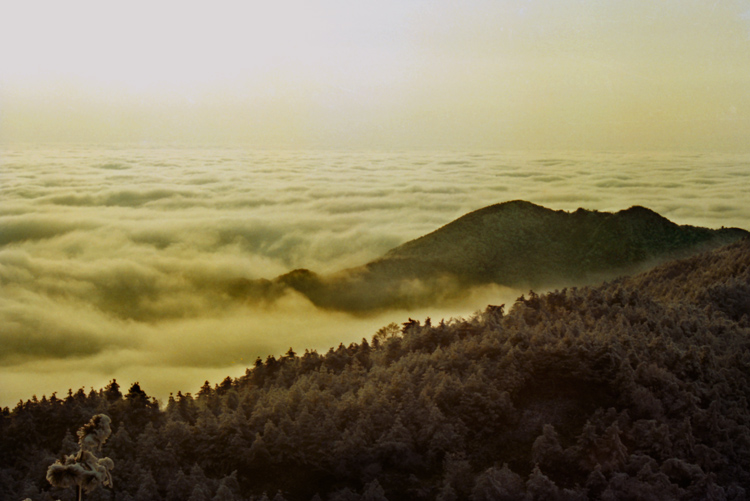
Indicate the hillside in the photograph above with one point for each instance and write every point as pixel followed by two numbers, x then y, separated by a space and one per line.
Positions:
pixel 519 243
pixel 634 389
pixel 515 244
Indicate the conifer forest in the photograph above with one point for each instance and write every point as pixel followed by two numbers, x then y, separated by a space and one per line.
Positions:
pixel 637 388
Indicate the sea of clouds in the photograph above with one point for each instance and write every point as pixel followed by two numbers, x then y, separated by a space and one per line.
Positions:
pixel 121 262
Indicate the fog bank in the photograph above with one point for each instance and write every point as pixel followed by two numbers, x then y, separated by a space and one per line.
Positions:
pixel 123 262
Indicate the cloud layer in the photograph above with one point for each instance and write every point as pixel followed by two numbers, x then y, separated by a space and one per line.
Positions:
pixel 126 262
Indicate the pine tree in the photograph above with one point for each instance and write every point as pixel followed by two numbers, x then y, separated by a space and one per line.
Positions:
pixel 147 488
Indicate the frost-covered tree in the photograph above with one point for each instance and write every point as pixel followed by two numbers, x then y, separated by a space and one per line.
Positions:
pixel 84 470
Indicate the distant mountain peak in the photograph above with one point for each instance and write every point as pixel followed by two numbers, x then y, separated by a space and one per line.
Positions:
pixel 510 206
pixel 638 211
pixel 516 244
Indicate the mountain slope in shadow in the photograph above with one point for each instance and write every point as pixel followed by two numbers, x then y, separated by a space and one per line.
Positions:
pixel 515 244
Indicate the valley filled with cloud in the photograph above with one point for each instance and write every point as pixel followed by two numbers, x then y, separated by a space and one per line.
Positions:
pixel 127 262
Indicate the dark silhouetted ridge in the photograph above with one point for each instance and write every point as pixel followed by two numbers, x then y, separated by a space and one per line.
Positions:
pixel 521 244
pixel 515 244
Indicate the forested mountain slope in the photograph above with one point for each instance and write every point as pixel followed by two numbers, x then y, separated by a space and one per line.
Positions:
pixel 635 389
pixel 519 243
pixel 514 244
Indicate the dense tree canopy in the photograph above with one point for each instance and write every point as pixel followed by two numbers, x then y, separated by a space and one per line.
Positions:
pixel 635 389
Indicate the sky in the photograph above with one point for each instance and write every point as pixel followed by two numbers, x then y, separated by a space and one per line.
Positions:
pixel 638 75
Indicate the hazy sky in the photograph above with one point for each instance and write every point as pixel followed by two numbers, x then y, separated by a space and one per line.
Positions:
pixel 559 74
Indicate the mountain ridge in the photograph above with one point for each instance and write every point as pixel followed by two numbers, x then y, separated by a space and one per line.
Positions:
pixel 515 244
pixel 584 235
